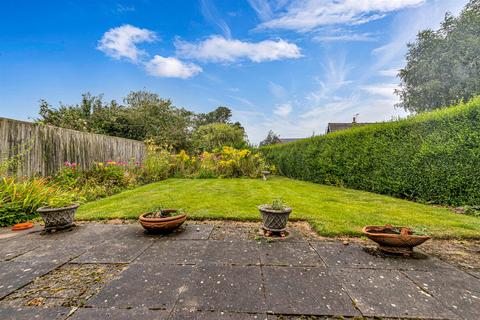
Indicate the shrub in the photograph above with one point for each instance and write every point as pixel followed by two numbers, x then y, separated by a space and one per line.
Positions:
pixel 19 200
pixel 433 157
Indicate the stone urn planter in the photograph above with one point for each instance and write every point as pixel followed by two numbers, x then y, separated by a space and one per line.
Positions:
pixel 391 239
pixel 274 216
pixel 58 218
pixel 162 221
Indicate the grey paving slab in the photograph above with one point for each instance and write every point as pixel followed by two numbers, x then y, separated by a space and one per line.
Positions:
pixel 14 275
pixel 119 250
pixel 174 252
pixel 389 293
pixel 475 273
pixel 457 290
pixel 226 288
pixel 54 251
pixel 12 248
pixel 119 314
pixel 146 286
pixel 240 253
pixel 289 254
pixel 191 232
pixel 34 313
pixel 305 291
pixel 215 315
pixel 338 255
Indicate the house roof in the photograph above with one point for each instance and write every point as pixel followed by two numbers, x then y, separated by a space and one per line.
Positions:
pixel 287 140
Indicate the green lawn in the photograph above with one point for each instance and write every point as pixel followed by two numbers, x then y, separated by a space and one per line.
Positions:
pixel 330 210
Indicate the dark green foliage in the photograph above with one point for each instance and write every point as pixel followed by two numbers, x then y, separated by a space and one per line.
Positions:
pixel 271 138
pixel 433 157
pixel 443 65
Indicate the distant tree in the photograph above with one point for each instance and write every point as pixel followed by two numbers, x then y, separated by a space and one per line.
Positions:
pixel 217 135
pixel 219 115
pixel 272 138
pixel 443 65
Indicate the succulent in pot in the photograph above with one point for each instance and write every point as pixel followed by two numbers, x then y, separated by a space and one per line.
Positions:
pixel 162 220
pixel 275 216
pixel 58 211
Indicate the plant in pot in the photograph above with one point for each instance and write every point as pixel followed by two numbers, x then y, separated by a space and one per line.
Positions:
pixel 58 211
pixel 396 240
pixel 160 220
pixel 275 217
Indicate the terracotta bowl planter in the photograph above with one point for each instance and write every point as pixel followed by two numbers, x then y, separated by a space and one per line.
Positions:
pixel 163 224
pixel 274 220
pixel 58 218
pixel 393 239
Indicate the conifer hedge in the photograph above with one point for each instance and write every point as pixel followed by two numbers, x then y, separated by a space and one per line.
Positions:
pixel 433 157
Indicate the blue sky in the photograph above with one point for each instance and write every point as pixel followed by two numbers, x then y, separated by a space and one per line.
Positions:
pixel 287 65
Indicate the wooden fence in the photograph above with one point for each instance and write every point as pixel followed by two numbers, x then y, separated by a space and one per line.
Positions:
pixel 44 149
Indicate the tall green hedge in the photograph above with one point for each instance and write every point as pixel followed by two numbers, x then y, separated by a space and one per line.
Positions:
pixel 432 157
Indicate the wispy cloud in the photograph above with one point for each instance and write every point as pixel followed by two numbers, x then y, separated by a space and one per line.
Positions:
pixel 121 42
pixel 262 8
pixel 334 77
pixel 283 110
pixel 169 67
pixel 345 37
pixel 122 8
pixel 277 90
pixel 392 72
pixel 381 89
pixel 220 49
pixel 307 15
pixel 210 13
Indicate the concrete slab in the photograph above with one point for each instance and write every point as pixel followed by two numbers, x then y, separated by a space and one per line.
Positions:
pixel 34 313
pixel 389 293
pixel 174 252
pixel 54 251
pixel 16 247
pixel 226 288
pixel 14 275
pixel 305 291
pixel 289 254
pixel 120 250
pixel 457 290
pixel 119 314
pixel 215 315
pixel 338 255
pixel 240 253
pixel 145 286
pixel 191 232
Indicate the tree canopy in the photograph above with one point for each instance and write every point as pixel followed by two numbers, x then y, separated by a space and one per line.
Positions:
pixel 216 135
pixel 443 65
pixel 271 138
pixel 143 115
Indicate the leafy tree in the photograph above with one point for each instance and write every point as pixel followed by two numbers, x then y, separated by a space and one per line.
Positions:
pixel 216 135
pixel 443 65
pixel 272 138
pixel 219 115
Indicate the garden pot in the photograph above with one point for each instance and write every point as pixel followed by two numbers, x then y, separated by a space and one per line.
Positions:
pixel 274 220
pixel 162 224
pixel 391 239
pixel 58 218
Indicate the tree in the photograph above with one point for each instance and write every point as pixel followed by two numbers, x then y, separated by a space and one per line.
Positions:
pixel 219 115
pixel 443 65
pixel 271 138
pixel 217 135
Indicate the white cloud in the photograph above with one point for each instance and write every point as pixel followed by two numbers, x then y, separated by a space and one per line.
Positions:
pixel 210 12
pixel 170 67
pixel 283 110
pixel 277 90
pixel 382 89
pixel 121 42
pixel 389 72
pixel 334 77
pixel 306 15
pixel 220 49
pixel 345 37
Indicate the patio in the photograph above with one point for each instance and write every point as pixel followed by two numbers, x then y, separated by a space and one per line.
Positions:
pixel 115 271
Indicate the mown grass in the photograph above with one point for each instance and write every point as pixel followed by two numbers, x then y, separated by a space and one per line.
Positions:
pixel 330 210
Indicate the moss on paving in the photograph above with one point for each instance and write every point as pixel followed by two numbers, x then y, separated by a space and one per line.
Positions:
pixel 330 210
